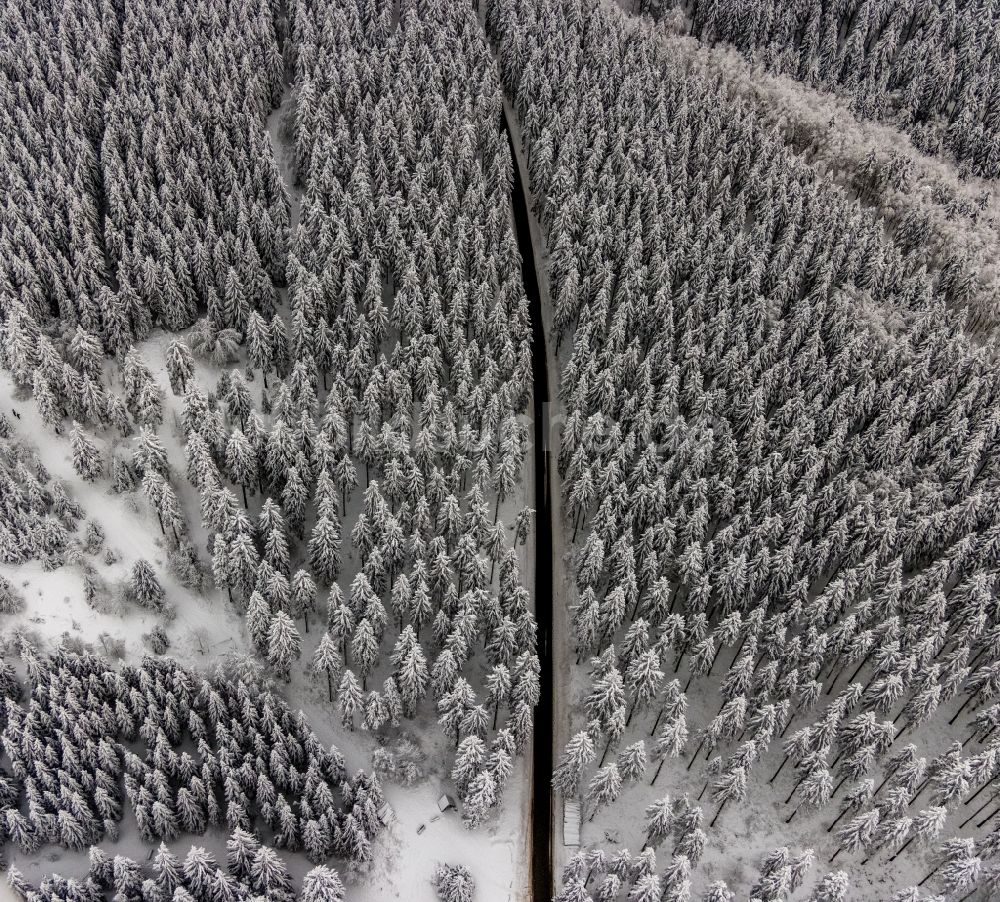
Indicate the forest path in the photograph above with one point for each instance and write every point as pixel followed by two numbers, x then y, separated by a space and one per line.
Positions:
pixel 280 130
pixel 284 154
pixel 540 880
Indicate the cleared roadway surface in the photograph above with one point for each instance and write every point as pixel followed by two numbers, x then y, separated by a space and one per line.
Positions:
pixel 541 883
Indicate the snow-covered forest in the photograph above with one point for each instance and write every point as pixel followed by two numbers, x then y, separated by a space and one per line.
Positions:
pixel 931 68
pixel 283 287
pixel 329 442
pixel 777 482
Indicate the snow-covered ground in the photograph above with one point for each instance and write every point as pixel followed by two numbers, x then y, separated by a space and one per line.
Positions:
pixel 203 627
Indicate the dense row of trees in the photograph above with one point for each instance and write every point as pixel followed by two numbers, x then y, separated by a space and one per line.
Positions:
pixel 779 493
pixel 253 871
pixel 609 875
pixel 933 68
pixel 137 194
pixel 91 740
pixel 197 216
pixel 37 518
pixel 57 65
pixel 933 208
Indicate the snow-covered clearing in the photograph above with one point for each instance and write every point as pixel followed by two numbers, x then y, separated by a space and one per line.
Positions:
pixel 203 628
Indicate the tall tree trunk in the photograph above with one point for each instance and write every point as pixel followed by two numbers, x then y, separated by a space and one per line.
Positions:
pixel 903 848
pixel 965 704
pixel 836 821
pixel 798 783
pixel 931 874
pixel 977 812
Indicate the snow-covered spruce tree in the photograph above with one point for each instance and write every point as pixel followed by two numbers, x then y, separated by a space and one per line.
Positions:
pixel 283 643
pixel 453 883
pixel 180 366
pixel 833 887
pixel 144 587
pixel 87 458
pixel 221 718
pixel 194 877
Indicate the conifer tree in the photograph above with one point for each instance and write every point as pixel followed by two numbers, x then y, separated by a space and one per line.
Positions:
pixel 144 587
pixel 349 698
pixel 283 644
pixel 180 366
pixel 87 460
pixel 241 462
pixel 327 660
pixel 322 884
pixel 579 752
pixel 324 550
